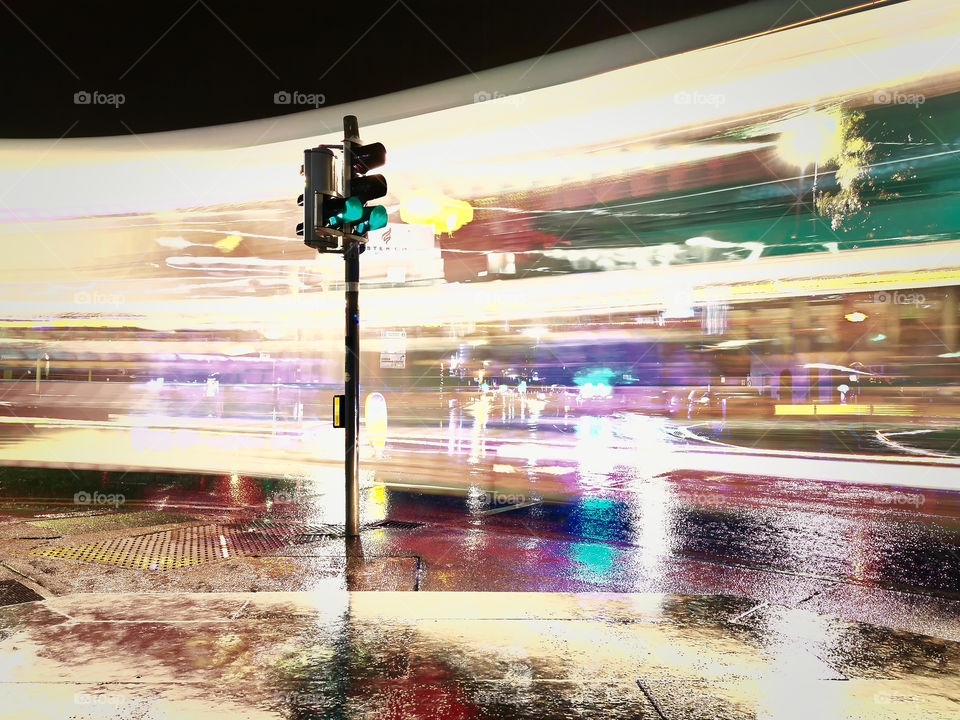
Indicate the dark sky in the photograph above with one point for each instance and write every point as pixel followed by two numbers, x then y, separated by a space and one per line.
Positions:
pixel 190 63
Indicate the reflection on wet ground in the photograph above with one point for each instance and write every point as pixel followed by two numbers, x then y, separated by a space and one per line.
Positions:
pixel 766 590
pixel 464 655
pixel 620 533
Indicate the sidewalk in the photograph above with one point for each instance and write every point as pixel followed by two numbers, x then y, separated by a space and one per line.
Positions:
pixel 334 654
pixel 500 612
pixel 150 551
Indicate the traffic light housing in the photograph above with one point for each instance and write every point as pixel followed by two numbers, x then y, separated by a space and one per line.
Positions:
pixel 322 185
pixel 336 192
pixel 358 160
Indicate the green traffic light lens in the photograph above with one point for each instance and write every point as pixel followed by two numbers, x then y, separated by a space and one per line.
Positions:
pixel 378 217
pixel 352 209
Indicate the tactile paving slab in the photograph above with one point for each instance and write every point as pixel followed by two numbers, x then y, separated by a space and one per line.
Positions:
pixel 193 545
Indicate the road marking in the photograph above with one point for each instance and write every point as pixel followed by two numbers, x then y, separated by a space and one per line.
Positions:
pixel 740 617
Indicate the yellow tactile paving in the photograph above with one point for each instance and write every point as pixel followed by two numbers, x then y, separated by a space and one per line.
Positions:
pixel 184 547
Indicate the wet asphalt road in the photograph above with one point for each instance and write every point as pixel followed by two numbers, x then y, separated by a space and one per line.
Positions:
pixel 898 539
pixel 506 497
pixel 763 594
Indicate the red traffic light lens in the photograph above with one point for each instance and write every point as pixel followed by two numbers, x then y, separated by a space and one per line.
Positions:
pixel 368 157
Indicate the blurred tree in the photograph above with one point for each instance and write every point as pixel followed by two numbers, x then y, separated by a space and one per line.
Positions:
pixel 853 160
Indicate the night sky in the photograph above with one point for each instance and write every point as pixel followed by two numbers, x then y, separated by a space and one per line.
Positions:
pixel 192 63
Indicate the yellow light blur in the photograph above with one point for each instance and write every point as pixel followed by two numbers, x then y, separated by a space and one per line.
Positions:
pixel 229 243
pixel 855 317
pixel 445 214
pixel 375 419
pixel 836 409
pixel 794 409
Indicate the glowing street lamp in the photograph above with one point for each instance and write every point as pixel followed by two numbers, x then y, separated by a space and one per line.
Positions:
pixel 810 139
pixel 813 138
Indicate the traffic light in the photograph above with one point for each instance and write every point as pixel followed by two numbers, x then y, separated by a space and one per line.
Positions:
pixel 336 219
pixel 322 185
pixel 336 193
pixel 360 187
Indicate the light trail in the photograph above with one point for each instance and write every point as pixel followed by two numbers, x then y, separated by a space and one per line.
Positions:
pixel 640 225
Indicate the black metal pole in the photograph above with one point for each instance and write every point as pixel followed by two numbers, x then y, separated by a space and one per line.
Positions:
pixel 351 365
pixel 351 371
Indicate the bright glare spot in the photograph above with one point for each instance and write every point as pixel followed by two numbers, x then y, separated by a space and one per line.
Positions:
pixel 855 317
pixel 375 420
pixel 420 207
pixel 600 390
pixel 445 214
pixel 177 243
pixel 731 344
pixel 838 368
pixel 810 138
pixel 703 241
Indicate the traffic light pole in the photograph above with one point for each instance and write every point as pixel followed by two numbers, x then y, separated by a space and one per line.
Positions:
pixel 351 373
pixel 351 362
pixel 337 220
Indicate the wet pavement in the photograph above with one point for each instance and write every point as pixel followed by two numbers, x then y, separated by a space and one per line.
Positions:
pixel 884 555
pixel 594 571
pixel 336 654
